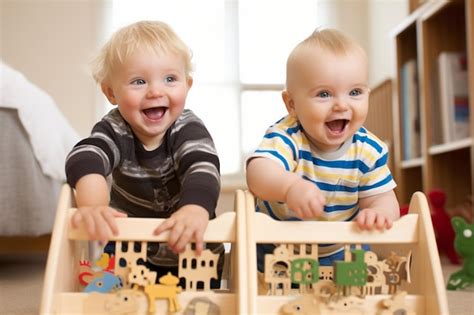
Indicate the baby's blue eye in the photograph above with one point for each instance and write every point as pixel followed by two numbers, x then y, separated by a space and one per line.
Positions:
pixel 355 92
pixel 170 79
pixel 138 82
pixel 323 94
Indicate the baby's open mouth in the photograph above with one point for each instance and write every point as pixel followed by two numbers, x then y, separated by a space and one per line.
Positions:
pixel 337 125
pixel 155 113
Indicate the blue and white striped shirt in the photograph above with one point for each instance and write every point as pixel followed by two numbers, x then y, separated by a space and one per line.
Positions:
pixel 356 170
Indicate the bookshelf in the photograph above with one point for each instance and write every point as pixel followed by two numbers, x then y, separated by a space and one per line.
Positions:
pixel 414 4
pixel 433 27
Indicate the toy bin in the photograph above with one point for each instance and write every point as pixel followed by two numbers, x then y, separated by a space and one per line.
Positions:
pixel 63 294
pixel 409 279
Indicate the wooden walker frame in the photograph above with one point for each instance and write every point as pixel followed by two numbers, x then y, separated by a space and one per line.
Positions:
pixel 244 228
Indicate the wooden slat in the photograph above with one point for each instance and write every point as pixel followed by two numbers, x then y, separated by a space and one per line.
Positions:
pixel 427 267
pixel 268 230
pixel 141 229
pixel 60 266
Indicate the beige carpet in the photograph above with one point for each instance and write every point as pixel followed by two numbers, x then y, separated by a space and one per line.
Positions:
pixel 21 280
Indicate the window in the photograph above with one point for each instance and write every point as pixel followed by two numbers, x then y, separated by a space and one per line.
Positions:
pixel 239 51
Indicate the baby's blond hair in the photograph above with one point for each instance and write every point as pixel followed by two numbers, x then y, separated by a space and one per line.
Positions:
pixel 332 40
pixel 329 39
pixel 151 36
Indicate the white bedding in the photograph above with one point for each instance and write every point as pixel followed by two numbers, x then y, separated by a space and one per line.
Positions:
pixel 50 134
pixel 34 141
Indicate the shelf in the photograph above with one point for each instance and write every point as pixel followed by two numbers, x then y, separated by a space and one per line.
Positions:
pixel 435 27
pixel 412 163
pixel 452 146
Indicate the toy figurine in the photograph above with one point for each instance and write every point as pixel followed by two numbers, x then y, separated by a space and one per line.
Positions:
pixel 464 245
pixel 441 223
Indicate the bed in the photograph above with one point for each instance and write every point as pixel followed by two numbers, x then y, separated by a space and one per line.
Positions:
pixel 34 141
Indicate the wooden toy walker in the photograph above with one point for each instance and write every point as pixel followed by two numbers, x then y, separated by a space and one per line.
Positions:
pixel 407 281
pixel 62 291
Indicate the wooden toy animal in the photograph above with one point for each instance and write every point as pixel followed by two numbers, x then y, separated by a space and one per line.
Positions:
pixel 140 276
pixel 104 284
pixel 126 301
pixel 305 305
pixel 464 245
pixel 201 306
pixel 311 305
pixel 87 272
pixel 167 289
pixel 396 270
pixel 395 305
pixel 375 274
pixel 347 305
pixel 102 280
pixel 122 302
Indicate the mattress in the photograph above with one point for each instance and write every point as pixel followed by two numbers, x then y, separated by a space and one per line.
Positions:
pixel 28 197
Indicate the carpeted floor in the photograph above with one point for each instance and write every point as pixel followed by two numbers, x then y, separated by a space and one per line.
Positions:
pixel 21 280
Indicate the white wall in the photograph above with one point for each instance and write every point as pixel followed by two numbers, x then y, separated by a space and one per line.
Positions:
pixel 370 23
pixel 383 16
pixel 349 16
pixel 50 42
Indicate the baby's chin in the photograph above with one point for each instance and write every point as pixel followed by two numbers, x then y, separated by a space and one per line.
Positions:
pixel 327 145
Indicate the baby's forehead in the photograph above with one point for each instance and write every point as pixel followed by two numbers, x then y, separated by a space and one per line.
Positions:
pixel 318 52
pixel 314 57
pixel 315 65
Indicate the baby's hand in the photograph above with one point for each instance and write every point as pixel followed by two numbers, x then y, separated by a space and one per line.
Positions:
pixel 189 222
pixel 305 199
pixel 368 218
pixel 99 222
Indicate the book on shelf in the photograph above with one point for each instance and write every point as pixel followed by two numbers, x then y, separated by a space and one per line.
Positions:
pixel 453 96
pixel 410 111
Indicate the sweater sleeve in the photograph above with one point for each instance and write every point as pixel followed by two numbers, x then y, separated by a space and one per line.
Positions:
pixel 196 162
pixel 96 154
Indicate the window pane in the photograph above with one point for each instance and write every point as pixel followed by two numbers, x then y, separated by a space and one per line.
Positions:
pixel 260 109
pixel 231 44
pixel 217 106
pixel 212 37
pixel 268 31
pixel 206 33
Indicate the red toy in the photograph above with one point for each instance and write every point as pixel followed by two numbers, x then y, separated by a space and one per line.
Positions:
pixel 442 225
pixel 403 210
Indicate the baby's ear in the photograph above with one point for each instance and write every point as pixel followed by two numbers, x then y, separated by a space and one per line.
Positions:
pixel 289 103
pixel 108 92
pixel 189 81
